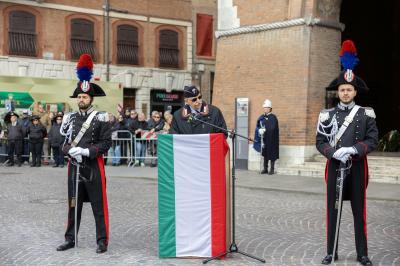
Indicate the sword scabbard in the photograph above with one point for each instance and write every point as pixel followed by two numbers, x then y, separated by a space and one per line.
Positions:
pixel 73 202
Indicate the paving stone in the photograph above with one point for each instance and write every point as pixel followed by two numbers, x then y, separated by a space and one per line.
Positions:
pixel 284 228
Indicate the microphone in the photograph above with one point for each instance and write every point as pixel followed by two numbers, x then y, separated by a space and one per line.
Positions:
pixel 193 117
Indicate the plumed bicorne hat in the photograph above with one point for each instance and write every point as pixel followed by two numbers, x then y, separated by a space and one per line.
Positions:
pixel 348 59
pixel 84 71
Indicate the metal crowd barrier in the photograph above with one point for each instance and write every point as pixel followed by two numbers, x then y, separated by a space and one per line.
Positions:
pixel 124 150
pixel 121 148
pixel 26 155
pixel 136 151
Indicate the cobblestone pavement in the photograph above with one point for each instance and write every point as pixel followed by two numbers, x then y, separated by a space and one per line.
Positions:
pixel 283 228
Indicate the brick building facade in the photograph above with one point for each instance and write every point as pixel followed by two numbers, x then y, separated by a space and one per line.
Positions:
pixel 286 51
pixel 150 45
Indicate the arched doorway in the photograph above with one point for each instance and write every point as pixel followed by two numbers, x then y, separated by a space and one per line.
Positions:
pixel 375 29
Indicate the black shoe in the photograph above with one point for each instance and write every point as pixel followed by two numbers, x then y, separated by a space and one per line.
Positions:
pixel 56 165
pixel 38 165
pixel 328 259
pixel 33 165
pixel 101 247
pixel 272 171
pixel 67 245
pixel 10 164
pixel 265 171
pixel 62 166
pixel 364 260
pixel 19 165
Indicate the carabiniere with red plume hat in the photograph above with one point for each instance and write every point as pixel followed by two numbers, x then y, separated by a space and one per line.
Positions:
pixel 88 138
pixel 345 135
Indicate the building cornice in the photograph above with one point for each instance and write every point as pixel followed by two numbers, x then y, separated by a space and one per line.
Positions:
pixel 280 25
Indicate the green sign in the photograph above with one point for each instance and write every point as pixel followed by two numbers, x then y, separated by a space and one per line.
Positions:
pixel 18 99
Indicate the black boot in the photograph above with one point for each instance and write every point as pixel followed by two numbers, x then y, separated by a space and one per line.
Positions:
pixel 328 259
pixel 101 247
pixel 364 260
pixel 272 170
pixel 66 245
pixel 265 171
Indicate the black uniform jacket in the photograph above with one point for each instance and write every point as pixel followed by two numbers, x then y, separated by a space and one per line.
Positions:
pixel 97 139
pixel 362 134
pixel 183 123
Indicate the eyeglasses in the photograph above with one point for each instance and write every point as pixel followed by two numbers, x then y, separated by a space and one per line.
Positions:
pixel 156 117
pixel 197 98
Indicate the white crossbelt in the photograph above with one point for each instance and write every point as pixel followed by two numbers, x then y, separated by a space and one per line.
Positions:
pixel 85 127
pixel 346 123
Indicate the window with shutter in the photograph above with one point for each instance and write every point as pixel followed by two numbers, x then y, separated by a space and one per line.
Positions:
pixel 169 49
pixel 82 38
pixel 22 37
pixel 127 45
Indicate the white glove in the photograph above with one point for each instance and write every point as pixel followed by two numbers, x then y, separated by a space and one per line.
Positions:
pixel 261 131
pixel 74 151
pixel 344 150
pixel 78 158
pixel 344 158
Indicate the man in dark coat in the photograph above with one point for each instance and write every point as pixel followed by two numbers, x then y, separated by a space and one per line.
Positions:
pixel 267 133
pixel 184 122
pixel 25 121
pixel 15 134
pixel 56 141
pixel 345 135
pixel 36 132
pixel 88 138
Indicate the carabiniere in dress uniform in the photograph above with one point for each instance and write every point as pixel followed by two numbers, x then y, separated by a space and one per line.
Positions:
pixel 88 138
pixel 345 135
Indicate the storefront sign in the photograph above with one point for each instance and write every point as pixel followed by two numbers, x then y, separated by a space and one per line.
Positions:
pixel 162 96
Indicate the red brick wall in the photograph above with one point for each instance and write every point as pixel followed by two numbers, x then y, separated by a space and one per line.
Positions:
pixel 252 12
pixel 174 9
pixel 54 29
pixel 278 65
pixel 324 67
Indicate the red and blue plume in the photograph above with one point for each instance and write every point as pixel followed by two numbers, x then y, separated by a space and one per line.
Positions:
pixel 84 68
pixel 348 55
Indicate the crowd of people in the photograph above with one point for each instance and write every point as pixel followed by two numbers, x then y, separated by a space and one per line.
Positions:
pixel 26 135
pixel 34 137
pixel 130 123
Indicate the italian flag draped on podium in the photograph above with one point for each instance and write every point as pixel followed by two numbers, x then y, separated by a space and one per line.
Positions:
pixel 192 195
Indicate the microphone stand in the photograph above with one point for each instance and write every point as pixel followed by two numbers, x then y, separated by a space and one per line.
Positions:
pixel 233 248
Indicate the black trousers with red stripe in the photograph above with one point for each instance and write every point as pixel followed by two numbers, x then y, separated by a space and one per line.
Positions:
pixel 93 191
pixel 354 189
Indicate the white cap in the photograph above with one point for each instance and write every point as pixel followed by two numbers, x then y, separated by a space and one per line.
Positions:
pixel 267 103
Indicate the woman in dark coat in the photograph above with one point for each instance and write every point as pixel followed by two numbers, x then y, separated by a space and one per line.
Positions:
pixel 267 128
